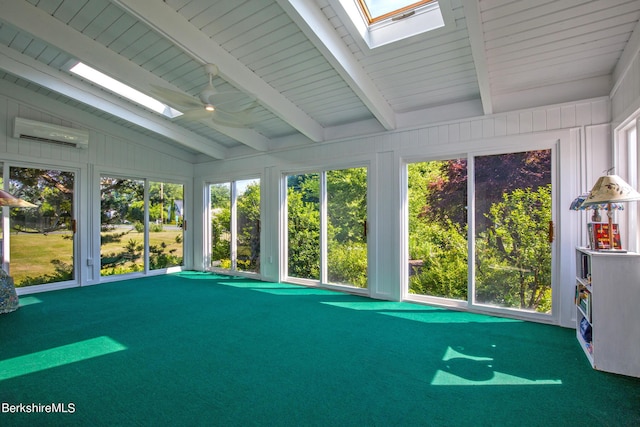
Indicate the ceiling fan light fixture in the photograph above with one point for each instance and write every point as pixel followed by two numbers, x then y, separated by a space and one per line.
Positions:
pixel 209 107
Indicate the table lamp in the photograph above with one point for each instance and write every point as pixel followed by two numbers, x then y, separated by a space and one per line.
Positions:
pixel 578 205
pixel 611 189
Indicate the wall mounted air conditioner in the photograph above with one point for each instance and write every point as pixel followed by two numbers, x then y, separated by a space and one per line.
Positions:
pixel 47 132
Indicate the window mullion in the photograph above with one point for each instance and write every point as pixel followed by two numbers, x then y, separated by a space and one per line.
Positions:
pixel 234 226
pixel 471 231
pixel 146 225
pixel 323 228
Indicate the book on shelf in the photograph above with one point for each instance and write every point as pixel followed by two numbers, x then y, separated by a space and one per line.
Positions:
pixel 599 236
pixel 585 267
pixel 583 300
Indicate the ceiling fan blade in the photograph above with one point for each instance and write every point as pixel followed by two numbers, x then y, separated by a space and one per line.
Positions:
pixel 174 97
pixel 230 101
pixel 229 123
pixel 241 119
pixel 196 114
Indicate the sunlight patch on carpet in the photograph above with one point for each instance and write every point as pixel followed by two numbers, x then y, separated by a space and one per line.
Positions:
pixel 421 313
pixel 58 356
pixel 25 301
pixel 293 291
pixel 469 370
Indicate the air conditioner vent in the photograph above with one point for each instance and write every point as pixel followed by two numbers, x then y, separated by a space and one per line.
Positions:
pixel 47 132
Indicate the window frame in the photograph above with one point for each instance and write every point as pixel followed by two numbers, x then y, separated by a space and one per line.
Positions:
pixel 5 250
pixel 434 18
pixel 233 227
pixel 396 13
pixel 626 161
pixel 323 241
pixel 470 304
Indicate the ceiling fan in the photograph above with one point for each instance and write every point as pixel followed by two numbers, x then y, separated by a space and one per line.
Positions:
pixel 233 108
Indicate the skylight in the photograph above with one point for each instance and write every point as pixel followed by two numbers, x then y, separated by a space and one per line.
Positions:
pixel 378 10
pixel 122 89
pixel 380 22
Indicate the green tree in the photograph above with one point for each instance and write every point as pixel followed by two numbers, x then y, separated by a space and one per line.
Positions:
pixel 303 233
pixel 513 257
pixel 248 211
pixel 437 244
pixel 347 204
pixel 346 222
pixel 162 197
pixel 220 196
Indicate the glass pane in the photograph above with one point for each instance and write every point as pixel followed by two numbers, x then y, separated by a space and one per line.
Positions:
pixel 248 225
pixel 166 204
pixel 303 226
pixel 122 226
pixel 512 215
pixel 220 195
pixel 438 258
pixel 42 238
pixel 346 227
pixel 378 8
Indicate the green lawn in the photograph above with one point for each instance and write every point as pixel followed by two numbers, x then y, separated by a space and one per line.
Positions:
pixel 31 254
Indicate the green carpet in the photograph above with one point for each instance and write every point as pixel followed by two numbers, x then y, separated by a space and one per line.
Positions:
pixel 203 349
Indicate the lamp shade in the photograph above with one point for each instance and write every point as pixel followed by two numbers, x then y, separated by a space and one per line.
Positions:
pixel 12 201
pixel 611 189
pixel 579 204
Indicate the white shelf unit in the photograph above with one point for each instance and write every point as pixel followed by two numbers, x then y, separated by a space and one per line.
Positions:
pixel 611 305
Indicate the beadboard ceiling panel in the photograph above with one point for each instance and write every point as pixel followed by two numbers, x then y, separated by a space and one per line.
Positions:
pixel 300 67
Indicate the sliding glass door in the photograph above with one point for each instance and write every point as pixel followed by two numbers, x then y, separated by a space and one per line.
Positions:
pixel 346 227
pixel 327 227
pixel 235 225
pixel 138 235
pixel 510 263
pixel 122 214
pixel 303 226
pixel 247 235
pixel 512 226
pixel 438 245
pixel 41 238
pixel 166 223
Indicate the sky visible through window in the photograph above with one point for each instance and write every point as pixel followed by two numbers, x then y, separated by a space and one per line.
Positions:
pixel 378 8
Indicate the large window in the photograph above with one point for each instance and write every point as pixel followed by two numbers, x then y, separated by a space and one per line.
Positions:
pixel 303 226
pixel 235 225
pixel 327 227
pixel 122 225
pixel 512 221
pixel 627 166
pixel 438 243
pixel 41 239
pixel 136 236
pixel 166 222
pixel 510 266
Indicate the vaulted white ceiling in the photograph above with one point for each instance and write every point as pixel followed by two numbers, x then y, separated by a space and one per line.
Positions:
pixel 303 63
